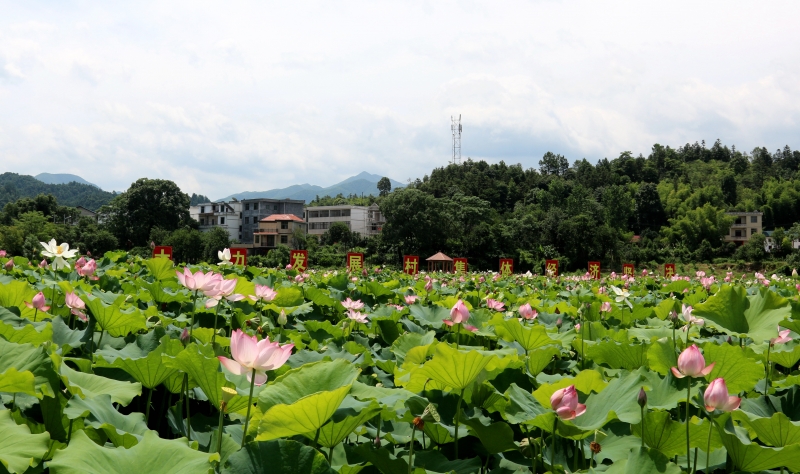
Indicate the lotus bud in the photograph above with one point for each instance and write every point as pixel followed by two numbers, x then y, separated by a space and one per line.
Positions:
pixel 377 442
pixel 9 265
pixel 595 447
pixel 185 337
pixel 43 263
pixel 282 318
pixel 730 340
pixel 642 398
pixel 559 323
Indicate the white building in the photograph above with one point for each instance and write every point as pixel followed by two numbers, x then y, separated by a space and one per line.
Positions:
pixel 320 218
pixel 219 214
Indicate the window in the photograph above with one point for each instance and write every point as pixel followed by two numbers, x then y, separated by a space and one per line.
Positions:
pixel 247 207
pixel 221 221
pixel 240 229
pixel 202 222
pixel 258 239
pixel 753 231
pixel 213 208
pixel 737 233
pixel 738 220
pixel 246 220
pixel 319 225
pixel 275 207
pixel 323 214
pixel 284 225
pixel 202 209
pixel 336 213
pixel 313 214
pixel 284 239
pixel 345 212
pixel 255 206
pixel 754 219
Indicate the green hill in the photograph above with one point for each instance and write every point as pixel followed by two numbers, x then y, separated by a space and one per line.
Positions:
pixel 15 186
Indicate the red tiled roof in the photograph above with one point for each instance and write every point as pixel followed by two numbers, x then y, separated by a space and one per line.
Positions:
pixel 282 217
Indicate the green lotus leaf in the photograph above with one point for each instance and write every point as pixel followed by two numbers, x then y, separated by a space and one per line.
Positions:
pixel 644 461
pixel 110 318
pixel 90 386
pixel 99 413
pixel 16 293
pixel 305 415
pixel 281 456
pixel 626 355
pixel 26 357
pixel 668 436
pixel 150 370
pixel 777 431
pixel 429 316
pixel 663 310
pixel 288 296
pixel 151 454
pixel 661 356
pixel 453 368
pixel 734 313
pixel 320 297
pixel 350 415
pixel 160 268
pixel 323 376
pixel 19 449
pixel 616 401
pixel 496 437
pixel 164 291
pixel 376 289
pixel 27 334
pixel 752 457
pixel 530 338
pixel 586 381
pixel 741 373
pixel 540 358
pixel 12 381
pixel 785 356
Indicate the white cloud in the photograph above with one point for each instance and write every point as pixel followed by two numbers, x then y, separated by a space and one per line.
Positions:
pixel 254 96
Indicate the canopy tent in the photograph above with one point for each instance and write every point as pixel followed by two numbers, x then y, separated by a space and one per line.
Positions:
pixel 440 262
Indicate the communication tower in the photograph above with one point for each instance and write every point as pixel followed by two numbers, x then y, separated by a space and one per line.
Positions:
pixel 455 127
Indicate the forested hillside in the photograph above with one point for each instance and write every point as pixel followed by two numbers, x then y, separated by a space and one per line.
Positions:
pixel 673 200
pixel 15 186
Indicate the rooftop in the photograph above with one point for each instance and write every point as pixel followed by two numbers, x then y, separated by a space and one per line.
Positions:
pixel 282 217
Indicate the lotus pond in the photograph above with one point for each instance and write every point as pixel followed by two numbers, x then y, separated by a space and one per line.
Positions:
pixel 132 365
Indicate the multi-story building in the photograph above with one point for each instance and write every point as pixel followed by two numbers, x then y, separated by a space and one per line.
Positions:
pixel 277 229
pixel 320 218
pixel 745 225
pixel 219 214
pixel 253 210
pixel 375 220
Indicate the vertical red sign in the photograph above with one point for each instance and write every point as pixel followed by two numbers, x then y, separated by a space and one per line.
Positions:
pixel 551 268
pixel 410 264
pixel 460 265
pixel 355 262
pixel 239 256
pixel 299 260
pixel 506 266
pixel 627 269
pixel 669 270
pixel 594 270
pixel 162 251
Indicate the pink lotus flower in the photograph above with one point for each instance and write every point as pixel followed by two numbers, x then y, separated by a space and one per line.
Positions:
pixel 38 302
pixel 411 299
pixel 429 285
pixel 289 266
pixel 468 327
pixel 205 282
pixel 80 262
pixel 76 305
pixel 264 293
pixel 251 355
pixel 9 265
pixel 224 289
pixel 3 253
pixel 43 263
pixel 87 269
pixel 692 364
pixel 357 316
pixel 577 327
pixel 716 397
pixel 686 311
pixel 605 307
pixel 495 305
pixel 783 337
pixel 459 313
pixel 565 403
pixel 527 312
pixel 350 304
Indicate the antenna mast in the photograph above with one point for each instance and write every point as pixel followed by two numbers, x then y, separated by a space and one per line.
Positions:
pixel 455 127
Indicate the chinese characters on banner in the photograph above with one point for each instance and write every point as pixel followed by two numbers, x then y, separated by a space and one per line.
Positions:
pixel 669 270
pixel 551 268
pixel 410 264
pixel 594 270
pixel 506 266
pixel 239 257
pixel 355 262
pixel 460 265
pixel 299 260
pixel 627 269
pixel 162 251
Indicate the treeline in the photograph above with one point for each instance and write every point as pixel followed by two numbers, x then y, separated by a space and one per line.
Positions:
pixel 668 206
pixel 16 186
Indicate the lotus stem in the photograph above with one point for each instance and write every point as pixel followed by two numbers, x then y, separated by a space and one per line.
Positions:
pixel 147 408
pixel 35 313
pixel 694 467
pixel 767 374
pixel 219 428
pixel 188 414
pixel 458 335
pixel 69 431
pixel 688 444
pixel 458 418
pixel 708 444
pixel 216 315
pixel 411 450
pixel 99 341
pixel 643 426
pixel 194 310
pixel 553 451
pixel 250 405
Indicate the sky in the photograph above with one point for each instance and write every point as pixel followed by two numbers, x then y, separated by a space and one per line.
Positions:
pixel 223 97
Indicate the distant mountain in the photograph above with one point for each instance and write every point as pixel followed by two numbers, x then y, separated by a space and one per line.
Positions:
pixel 363 183
pixel 62 178
pixel 15 186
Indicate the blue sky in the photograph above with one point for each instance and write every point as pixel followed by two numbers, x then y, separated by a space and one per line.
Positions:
pixel 243 96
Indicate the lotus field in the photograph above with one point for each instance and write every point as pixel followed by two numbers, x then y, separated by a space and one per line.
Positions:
pixel 133 365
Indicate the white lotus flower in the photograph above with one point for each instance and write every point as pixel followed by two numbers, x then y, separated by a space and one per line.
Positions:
pixel 58 253
pixel 225 257
pixel 622 296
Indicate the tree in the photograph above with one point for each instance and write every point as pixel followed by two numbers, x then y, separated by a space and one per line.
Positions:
pixel 384 186
pixel 649 210
pixel 553 164
pixel 215 240
pixel 146 204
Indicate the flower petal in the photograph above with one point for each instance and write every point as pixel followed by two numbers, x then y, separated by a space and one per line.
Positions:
pixel 232 366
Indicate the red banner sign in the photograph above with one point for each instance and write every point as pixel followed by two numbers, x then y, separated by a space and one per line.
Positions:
pixel 299 260
pixel 506 266
pixel 627 269
pixel 239 256
pixel 551 268
pixel 355 262
pixel 594 270
pixel 162 251
pixel 410 264
pixel 460 265
pixel 669 270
